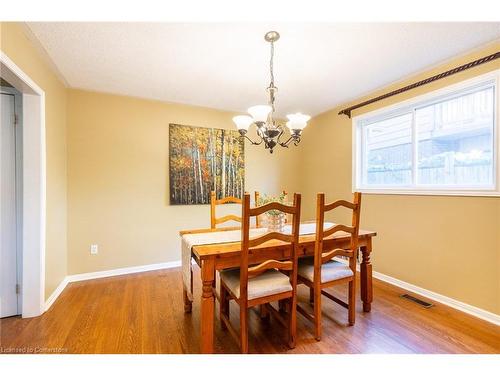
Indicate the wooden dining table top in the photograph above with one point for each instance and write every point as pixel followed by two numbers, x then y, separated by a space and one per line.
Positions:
pixel 228 248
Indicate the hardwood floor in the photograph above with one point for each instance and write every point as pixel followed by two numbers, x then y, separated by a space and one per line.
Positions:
pixel 143 313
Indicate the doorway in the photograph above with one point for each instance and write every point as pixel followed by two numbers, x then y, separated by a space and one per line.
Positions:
pixel 10 200
pixel 31 220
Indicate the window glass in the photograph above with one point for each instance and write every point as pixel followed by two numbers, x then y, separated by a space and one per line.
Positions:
pixel 455 141
pixel 388 151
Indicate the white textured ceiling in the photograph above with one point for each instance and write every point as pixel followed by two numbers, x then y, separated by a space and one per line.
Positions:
pixel 225 66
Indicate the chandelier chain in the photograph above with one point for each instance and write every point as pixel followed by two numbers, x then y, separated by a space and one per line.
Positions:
pixel 271 64
pixel 271 85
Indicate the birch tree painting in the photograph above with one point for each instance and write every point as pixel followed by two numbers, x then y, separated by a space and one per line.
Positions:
pixel 202 160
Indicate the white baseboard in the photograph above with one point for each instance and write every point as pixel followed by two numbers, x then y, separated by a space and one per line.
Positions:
pixel 464 307
pixel 468 309
pixel 56 293
pixel 108 273
pixel 123 271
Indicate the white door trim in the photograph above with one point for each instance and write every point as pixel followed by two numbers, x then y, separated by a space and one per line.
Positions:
pixel 34 187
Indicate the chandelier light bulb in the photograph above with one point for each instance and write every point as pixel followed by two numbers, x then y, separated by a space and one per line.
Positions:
pixel 243 122
pixel 297 121
pixel 260 112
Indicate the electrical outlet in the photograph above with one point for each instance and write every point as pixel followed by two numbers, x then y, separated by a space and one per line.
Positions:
pixel 94 249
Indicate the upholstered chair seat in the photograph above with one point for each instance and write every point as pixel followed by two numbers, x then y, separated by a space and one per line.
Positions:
pixel 268 283
pixel 330 271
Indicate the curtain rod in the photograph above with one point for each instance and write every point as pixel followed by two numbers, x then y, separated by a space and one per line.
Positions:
pixel 347 111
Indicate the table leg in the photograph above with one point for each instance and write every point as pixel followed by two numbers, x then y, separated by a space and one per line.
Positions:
pixel 188 304
pixel 207 306
pixel 366 277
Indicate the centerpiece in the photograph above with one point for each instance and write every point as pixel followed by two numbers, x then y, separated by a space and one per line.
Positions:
pixel 274 220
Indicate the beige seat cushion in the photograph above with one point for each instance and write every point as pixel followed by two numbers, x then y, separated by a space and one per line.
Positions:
pixel 268 283
pixel 331 270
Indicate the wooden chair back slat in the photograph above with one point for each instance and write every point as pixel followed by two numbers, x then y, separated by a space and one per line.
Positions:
pixel 268 237
pixel 247 243
pixel 272 206
pixel 223 219
pixel 325 257
pixel 227 200
pixel 215 202
pixel 338 228
pixel 339 203
pixel 268 264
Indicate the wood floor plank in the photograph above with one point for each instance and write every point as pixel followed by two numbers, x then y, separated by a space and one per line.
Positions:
pixel 143 313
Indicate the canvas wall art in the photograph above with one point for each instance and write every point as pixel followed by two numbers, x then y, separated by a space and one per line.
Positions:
pixel 202 160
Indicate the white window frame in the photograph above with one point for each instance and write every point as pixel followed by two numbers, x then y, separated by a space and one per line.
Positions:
pixel 411 105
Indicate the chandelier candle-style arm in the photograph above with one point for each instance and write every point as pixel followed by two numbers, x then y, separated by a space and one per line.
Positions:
pixel 243 123
pixel 296 123
pixel 262 115
pixel 294 137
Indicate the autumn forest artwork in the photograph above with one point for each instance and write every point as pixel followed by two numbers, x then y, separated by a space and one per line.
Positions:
pixel 202 160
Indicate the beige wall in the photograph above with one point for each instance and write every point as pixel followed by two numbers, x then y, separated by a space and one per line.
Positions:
pixel 118 179
pixel 16 45
pixel 449 245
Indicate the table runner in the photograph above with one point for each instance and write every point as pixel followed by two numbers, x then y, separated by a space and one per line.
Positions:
pixel 209 238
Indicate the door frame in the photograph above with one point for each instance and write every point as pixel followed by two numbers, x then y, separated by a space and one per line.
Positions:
pixel 34 187
pixel 18 139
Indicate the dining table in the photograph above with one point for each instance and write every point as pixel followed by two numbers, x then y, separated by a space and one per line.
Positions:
pixel 216 249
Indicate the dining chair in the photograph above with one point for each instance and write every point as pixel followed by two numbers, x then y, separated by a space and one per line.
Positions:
pixel 215 202
pixel 258 222
pixel 321 271
pixel 260 284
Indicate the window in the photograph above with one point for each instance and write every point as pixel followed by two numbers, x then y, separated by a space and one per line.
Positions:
pixel 445 142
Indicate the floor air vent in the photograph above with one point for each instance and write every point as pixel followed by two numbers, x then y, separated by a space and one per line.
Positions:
pixel 416 300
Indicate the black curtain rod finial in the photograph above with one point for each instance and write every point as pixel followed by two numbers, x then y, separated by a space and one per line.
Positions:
pixel 345 112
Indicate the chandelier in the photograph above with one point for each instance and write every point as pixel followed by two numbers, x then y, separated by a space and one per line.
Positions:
pixel 268 130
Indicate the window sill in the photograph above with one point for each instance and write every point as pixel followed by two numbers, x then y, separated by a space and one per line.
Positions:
pixel 460 193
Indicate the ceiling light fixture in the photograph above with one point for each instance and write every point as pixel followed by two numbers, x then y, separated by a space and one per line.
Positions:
pixel 268 130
